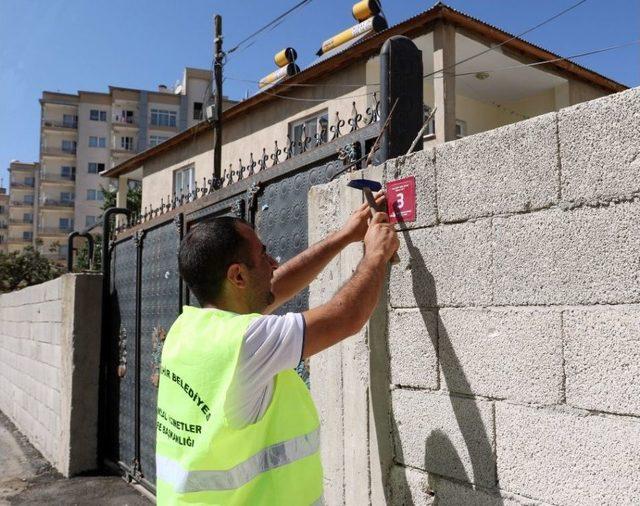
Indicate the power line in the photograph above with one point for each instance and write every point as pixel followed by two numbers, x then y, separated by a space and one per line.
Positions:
pixel 269 24
pixel 492 48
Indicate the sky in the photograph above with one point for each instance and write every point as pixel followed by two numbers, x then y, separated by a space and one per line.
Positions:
pixel 71 45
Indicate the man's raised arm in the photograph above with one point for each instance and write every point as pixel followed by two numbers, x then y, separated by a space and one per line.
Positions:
pixel 296 274
pixel 350 308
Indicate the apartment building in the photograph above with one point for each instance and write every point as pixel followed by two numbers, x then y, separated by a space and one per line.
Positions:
pixel 23 183
pixel 89 132
pixel 4 219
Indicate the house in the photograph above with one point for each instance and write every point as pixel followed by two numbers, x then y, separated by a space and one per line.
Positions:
pixel 496 88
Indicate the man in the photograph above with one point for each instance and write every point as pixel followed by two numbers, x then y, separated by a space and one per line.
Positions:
pixel 236 425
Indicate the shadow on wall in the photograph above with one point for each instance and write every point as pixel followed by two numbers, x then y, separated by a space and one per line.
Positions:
pixel 440 452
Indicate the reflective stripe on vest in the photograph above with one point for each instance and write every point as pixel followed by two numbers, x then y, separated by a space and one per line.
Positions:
pixel 277 455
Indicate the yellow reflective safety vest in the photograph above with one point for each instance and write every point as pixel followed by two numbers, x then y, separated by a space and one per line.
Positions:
pixel 200 457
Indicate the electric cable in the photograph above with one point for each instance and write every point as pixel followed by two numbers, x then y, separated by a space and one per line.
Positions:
pixel 269 24
pixel 492 48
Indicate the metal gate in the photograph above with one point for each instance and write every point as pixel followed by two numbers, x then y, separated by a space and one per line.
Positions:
pixel 144 294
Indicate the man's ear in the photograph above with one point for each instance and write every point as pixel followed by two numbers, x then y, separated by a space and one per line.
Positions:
pixel 237 275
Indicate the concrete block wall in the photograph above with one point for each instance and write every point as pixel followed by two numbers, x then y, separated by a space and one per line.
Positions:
pixel 511 327
pixel 49 359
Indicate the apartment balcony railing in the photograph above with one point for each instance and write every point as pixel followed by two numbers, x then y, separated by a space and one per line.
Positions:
pixel 20 221
pixel 58 178
pixel 48 123
pixel 123 121
pixel 56 203
pixel 19 240
pixel 18 203
pixel 54 231
pixel 47 151
pixel 21 184
pixel 3 226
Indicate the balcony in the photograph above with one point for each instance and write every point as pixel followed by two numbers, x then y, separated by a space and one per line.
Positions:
pixel 20 221
pixel 19 240
pixel 58 178
pixel 21 185
pixel 56 204
pixel 3 226
pixel 17 203
pixel 59 152
pixel 122 121
pixel 54 231
pixel 59 125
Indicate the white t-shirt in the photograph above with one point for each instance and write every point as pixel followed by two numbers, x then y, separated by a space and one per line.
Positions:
pixel 271 344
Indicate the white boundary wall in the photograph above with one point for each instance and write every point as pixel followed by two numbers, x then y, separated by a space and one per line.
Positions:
pixel 49 360
pixel 503 365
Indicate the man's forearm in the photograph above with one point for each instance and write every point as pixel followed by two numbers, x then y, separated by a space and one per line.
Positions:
pixel 301 270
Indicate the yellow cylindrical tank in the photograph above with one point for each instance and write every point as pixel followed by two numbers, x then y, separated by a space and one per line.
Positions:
pixel 275 76
pixel 286 56
pixel 374 24
pixel 365 9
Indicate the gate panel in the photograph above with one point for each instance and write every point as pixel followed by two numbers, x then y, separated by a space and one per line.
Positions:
pixel 121 370
pixel 282 219
pixel 159 309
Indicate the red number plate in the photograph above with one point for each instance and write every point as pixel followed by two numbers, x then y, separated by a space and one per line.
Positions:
pixel 401 199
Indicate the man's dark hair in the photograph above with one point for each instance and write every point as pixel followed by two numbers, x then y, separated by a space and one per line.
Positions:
pixel 206 253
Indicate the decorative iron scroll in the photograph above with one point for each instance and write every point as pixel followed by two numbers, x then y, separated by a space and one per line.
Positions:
pixel 266 159
pixel 122 352
pixel 158 336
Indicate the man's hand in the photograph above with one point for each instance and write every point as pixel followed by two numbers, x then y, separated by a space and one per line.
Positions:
pixel 381 239
pixel 356 226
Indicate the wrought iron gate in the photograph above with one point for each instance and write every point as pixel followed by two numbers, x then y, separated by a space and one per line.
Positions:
pixel 144 294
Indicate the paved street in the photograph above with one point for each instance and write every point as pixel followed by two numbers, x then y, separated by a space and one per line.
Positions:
pixel 28 478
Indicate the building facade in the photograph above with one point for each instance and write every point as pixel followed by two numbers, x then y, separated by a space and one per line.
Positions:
pixel 23 185
pixel 340 87
pixel 87 133
pixel 4 219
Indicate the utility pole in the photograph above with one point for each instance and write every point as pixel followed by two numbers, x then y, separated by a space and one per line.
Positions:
pixel 217 79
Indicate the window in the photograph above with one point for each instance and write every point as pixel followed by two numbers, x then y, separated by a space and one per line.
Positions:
pixel 95 168
pixel 69 120
pixel 91 195
pixel 134 184
pixel 68 172
pixel 126 143
pixel 69 146
pixel 27 218
pixel 163 117
pixel 29 181
pixel 28 199
pixel 97 115
pixel 66 196
pixel 154 140
pixel 197 110
pixel 317 124
pixel 100 195
pixel 124 116
pixel 97 142
pixel 65 223
pixel 62 250
pixel 89 220
pixel 27 235
pixel 183 180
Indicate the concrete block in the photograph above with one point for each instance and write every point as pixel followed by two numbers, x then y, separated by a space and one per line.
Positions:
pixel 413 341
pixel 49 312
pixel 506 170
pixel 420 165
pixel 411 486
pixel 584 256
pixel 602 354
pixel 445 435
pixel 599 148
pixel 503 353
pixel 566 457
pixel 448 265
pixel 52 289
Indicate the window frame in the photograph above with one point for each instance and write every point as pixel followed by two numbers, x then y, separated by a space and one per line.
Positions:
pixel 315 119
pixel 159 116
pixel 190 168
